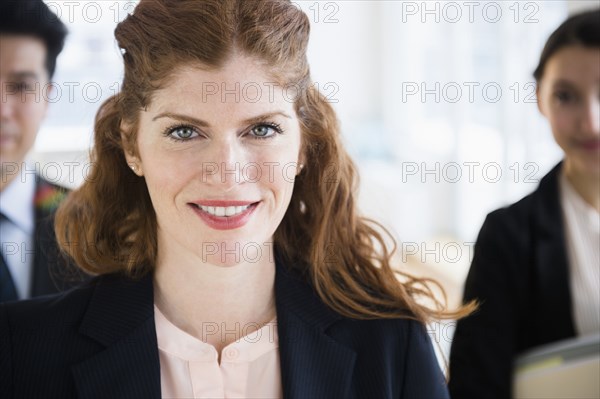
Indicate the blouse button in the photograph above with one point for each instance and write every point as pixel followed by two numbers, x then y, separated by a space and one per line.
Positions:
pixel 232 353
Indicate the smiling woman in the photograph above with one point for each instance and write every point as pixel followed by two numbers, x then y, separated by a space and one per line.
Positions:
pixel 221 204
pixel 535 267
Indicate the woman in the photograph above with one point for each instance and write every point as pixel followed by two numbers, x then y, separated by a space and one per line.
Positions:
pixel 535 270
pixel 220 219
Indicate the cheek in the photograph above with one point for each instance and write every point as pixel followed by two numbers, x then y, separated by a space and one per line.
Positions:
pixel 31 115
pixel 563 125
pixel 278 175
pixel 35 110
pixel 166 174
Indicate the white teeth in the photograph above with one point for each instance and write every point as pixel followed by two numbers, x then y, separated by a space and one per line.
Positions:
pixel 224 211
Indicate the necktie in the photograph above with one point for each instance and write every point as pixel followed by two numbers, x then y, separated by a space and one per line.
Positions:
pixel 8 291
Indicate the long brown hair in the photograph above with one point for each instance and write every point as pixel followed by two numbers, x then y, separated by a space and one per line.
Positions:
pixel 343 255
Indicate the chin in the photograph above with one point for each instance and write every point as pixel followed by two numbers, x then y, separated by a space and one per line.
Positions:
pixel 232 253
pixel 590 166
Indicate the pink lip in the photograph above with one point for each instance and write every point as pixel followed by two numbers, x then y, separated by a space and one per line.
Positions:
pixel 590 144
pixel 223 203
pixel 225 222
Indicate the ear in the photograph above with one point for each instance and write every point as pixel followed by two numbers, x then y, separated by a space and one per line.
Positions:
pixel 130 152
pixel 301 162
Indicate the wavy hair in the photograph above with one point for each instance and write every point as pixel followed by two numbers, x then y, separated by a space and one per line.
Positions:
pixel 342 254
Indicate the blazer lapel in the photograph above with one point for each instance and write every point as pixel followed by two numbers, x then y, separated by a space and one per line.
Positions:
pixel 551 264
pixel 120 317
pixel 47 255
pixel 313 365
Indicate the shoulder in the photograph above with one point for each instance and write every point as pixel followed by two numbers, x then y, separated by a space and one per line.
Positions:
pixel 515 215
pixel 296 296
pixel 382 338
pixel 391 343
pixel 519 214
pixel 396 329
pixel 46 311
pixel 49 314
pixel 48 195
pixel 41 340
pixel 398 353
pixel 375 339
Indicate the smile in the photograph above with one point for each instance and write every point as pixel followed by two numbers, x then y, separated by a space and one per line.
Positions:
pixel 224 211
pixel 224 215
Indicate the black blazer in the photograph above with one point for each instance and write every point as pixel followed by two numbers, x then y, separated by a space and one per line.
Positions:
pixel 49 270
pixel 99 341
pixel 519 273
pixel 50 273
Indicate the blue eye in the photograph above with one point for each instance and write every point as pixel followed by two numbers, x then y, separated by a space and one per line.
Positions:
pixel 265 130
pixel 182 133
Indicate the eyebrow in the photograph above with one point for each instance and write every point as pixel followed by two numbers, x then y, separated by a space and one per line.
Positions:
pixel 564 83
pixel 23 75
pixel 200 122
pixel 567 84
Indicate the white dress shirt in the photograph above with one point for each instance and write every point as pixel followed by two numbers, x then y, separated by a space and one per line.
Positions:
pixel 17 230
pixel 582 234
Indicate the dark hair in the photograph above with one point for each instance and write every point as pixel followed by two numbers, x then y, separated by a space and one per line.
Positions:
pixel 34 18
pixel 578 30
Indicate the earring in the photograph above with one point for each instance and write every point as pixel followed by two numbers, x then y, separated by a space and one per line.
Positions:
pixel 299 170
pixel 133 167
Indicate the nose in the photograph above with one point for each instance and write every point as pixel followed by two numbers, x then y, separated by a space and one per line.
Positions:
pixel 590 118
pixel 7 107
pixel 224 165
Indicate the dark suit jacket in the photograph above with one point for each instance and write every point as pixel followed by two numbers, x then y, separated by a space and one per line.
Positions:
pixel 99 341
pixel 52 273
pixel 520 276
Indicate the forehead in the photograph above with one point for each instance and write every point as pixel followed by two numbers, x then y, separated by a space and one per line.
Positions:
pixel 575 63
pixel 241 83
pixel 22 54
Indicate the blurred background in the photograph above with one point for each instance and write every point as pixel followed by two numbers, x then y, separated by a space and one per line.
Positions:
pixel 436 102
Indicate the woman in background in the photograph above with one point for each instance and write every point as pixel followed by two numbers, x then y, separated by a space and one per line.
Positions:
pixel 535 270
pixel 220 219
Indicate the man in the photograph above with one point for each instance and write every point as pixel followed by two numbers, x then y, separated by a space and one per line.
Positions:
pixel 31 37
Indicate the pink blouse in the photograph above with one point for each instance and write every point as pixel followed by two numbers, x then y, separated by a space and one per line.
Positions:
pixel 189 367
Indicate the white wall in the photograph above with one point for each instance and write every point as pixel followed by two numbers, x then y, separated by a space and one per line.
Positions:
pixel 576 6
pixel 367 56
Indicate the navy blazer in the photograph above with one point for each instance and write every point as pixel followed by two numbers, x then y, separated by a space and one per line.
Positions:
pixel 99 341
pixel 520 275
pixel 49 272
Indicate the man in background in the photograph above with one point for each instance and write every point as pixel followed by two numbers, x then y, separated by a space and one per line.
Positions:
pixel 31 38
